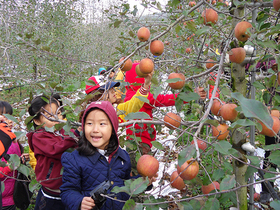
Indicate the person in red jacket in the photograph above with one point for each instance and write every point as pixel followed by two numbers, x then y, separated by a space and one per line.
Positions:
pixel 148 131
pixel 48 146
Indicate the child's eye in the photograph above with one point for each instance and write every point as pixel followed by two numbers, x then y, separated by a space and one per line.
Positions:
pixel 102 123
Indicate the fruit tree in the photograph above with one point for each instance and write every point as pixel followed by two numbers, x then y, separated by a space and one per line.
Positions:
pixel 230 48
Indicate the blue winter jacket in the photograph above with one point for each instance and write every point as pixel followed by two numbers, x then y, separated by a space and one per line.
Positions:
pixel 83 173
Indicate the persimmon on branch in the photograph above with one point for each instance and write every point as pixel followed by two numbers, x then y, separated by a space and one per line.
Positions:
pixel 211 100
pixel 117 66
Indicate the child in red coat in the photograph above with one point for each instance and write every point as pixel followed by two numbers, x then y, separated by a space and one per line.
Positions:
pixel 161 101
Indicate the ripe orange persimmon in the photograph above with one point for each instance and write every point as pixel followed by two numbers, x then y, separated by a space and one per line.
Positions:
pixel 215 108
pixel 172 120
pixel 157 47
pixel 191 171
pixel 209 15
pixel 127 65
pixel 146 66
pixel 179 84
pixel 210 65
pixel 143 34
pixel 275 127
pixel 220 131
pixel 228 111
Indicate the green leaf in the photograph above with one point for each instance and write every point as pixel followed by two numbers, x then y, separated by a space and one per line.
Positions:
pixel 24 169
pixel 173 80
pixel 270 175
pixel 10 117
pixel 177 28
pixel 139 185
pixel 249 172
pixel 19 134
pixel 185 205
pixel 52 129
pixel 142 98
pixel 275 204
pixel 151 200
pixel 211 204
pixel 59 126
pixel 266 25
pixel 33 185
pixel 203 30
pixel 211 122
pixel 218 173
pixel 124 188
pixel 222 147
pixel 14 161
pixel 186 154
pixel 157 145
pixel 228 182
pixel 258 85
pixel 137 115
pixel 159 6
pixel 22 112
pixel 243 123
pixel 274 157
pixel 253 108
pixel 255 160
pixel 195 204
pixel 271 147
pixel 67 127
pixel 225 197
pixel 187 97
pixel 117 23
pixel 157 91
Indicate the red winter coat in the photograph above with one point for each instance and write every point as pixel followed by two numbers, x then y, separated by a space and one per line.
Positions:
pixel 160 101
pixel 48 148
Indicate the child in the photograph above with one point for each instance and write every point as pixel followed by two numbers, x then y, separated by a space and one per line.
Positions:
pixel 107 93
pixel 98 158
pixel 32 159
pixel 48 148
pixel 15 148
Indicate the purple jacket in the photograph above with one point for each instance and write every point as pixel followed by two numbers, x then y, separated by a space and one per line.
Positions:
pixel 7 196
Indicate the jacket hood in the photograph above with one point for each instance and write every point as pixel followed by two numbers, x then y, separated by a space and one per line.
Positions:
pixel 108 108
pixel 130 76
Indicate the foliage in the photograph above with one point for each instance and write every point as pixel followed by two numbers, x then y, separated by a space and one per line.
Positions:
pixel 52 47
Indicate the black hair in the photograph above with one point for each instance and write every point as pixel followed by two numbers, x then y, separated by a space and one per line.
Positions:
pixel 61 108
pixel 40 102
pixel 6 108
pixel 109 69
pixel 87 149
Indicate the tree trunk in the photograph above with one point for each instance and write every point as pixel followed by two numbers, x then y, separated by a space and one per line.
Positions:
pixel 239 85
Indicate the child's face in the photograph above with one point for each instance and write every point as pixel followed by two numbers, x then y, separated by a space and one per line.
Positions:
pixel 51 108
pixel 98 129
pixel 111 96
pixel 111 75
pixel 6 120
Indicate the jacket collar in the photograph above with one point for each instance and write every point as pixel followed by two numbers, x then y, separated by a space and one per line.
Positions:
pixel 119 153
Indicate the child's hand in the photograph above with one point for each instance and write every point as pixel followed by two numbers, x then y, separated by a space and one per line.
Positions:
pixel 87 203
pixel 200 91
pixel 24 157
pixel 148 79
